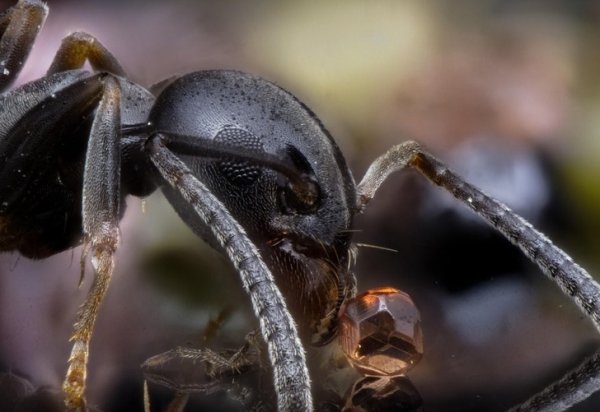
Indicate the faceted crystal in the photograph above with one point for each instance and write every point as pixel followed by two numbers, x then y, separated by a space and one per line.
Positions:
pixel 380 332
pixel 382 394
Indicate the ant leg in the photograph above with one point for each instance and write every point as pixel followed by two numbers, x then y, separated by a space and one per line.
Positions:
pixel 79 46
pixel 556 264
pixel 212 371
pixel 576 386
pixel 286 353
pixel 574 281
pixel 215 365
pixel 19 26
pixel 100 211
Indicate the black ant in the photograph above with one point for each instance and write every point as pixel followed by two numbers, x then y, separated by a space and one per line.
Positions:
pixel 244 163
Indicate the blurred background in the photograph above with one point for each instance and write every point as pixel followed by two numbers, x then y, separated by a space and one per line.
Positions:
pixel 507 92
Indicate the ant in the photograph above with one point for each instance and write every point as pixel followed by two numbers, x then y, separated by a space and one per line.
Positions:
pixel 243 162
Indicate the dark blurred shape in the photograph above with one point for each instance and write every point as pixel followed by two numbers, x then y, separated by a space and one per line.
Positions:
pixel 12 390
pixel 18 395
pixel 467 251
pixel 191 277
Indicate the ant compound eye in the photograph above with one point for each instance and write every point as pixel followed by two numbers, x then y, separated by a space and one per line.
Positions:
pixel 239 172
pixel 380 332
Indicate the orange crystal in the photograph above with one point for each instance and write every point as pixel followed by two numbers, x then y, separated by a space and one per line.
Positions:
pixel 380 332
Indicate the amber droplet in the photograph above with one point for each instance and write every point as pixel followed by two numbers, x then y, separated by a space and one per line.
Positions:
pixel 380 332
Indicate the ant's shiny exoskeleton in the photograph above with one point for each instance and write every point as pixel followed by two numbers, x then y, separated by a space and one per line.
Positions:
pixel 244 163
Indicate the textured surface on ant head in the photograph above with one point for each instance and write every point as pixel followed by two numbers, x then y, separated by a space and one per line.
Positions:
pixel 217 104
pixel 307 248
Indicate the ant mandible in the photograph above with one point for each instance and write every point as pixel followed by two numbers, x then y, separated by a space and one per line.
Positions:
pixel 244 163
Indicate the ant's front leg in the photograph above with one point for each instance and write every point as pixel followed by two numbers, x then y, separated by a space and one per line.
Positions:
pixel 555 263
pixel 100 212
pixel 574 281
pixel 19 26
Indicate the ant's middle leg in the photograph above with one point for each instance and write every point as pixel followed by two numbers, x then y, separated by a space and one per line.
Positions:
pixel 78 47
pixel 30 146
pixel 100 212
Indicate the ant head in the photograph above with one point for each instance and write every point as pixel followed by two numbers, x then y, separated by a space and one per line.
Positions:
pixel 276 169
